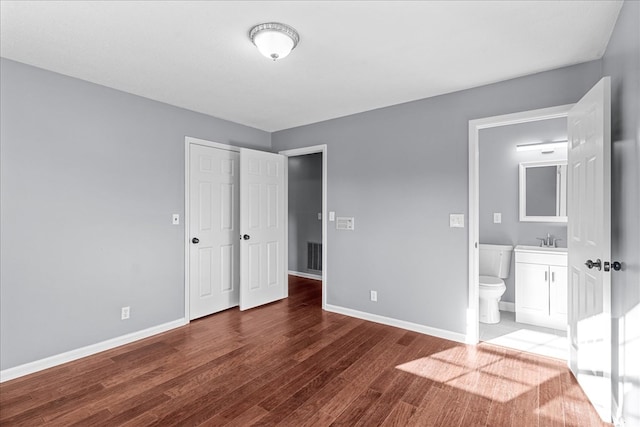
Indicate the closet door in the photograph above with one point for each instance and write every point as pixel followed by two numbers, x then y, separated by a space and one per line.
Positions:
pixel 214 248
pixel 263 277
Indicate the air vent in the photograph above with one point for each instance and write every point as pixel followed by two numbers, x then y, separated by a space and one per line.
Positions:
pixel 314 256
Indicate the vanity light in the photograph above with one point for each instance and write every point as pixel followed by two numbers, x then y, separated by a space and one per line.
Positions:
pixel 274 40
pixel 545 147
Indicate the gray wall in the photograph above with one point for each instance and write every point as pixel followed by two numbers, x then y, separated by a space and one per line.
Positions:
pixel 305 202
pixel 622 62
pixel 499 186
pixel 90 178
pixel 400 171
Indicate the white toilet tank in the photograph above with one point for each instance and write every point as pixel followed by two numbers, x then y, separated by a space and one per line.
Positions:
pixel 495 260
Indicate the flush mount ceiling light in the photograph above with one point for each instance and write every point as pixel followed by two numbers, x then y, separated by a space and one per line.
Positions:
pixel 274 40
pixel 544 147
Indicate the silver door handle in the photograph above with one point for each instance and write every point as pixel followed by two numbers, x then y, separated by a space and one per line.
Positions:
pixel 591 264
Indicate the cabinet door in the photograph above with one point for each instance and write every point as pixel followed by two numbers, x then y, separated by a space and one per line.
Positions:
pixel 558 296
pixel 532 292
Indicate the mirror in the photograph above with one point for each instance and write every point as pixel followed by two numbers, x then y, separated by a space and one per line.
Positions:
pixel 543 191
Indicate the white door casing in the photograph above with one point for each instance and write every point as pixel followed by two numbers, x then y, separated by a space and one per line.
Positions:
pixel 213 221
pixel 263 273
pixel 589 238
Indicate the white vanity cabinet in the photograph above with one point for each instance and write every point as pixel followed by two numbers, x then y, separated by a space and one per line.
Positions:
pixel 541 286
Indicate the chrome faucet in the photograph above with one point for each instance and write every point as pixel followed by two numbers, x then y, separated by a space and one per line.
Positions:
pixel 548 242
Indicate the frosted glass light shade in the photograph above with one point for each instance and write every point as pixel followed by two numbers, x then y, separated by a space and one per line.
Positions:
pixel 274 40
pixel 273 44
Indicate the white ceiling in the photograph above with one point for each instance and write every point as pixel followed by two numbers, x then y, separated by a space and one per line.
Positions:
pixel 353 56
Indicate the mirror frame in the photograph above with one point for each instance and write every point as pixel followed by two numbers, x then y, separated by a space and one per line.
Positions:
pixel 523 195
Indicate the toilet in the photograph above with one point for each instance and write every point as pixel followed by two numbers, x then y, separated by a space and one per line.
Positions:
pixel 495 262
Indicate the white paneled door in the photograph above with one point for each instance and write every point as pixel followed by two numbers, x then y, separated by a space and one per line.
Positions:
pixel 263 276
pixel 589 229
pixel 214 270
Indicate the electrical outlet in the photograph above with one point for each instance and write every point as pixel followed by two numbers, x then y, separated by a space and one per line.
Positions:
pixel 124 314
pixel 374 296
pixel 497 217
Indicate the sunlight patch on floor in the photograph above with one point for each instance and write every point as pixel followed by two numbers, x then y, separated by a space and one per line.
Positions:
pixel 524 337
pixel 498 377
pixel 534 342
pixel 551 412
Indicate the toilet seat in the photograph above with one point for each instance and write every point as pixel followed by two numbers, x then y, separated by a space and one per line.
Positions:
pixel 491 282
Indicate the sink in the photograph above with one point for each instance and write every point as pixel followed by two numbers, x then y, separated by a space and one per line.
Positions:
pixel 539 249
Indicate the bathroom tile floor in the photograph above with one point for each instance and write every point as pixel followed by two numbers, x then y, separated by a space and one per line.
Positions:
pixel 529 338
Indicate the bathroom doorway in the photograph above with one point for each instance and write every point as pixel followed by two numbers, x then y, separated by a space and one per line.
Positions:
pixel 307 231
pixel 495 219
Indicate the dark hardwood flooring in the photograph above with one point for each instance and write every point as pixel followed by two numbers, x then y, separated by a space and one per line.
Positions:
pixel 289 363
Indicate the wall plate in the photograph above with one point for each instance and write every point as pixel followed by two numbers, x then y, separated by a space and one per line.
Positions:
pixel 345 223
pixel 456 220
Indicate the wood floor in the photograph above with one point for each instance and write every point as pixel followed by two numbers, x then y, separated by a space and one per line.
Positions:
pixel 290 363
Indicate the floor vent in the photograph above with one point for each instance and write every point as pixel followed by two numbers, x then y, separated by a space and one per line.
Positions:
pixel 314 256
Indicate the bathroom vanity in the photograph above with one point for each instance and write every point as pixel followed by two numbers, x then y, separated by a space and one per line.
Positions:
pixel 541 286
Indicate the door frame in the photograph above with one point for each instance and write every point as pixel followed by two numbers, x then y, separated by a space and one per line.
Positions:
pixel 301 152
pixel 473 333
pixel 188 141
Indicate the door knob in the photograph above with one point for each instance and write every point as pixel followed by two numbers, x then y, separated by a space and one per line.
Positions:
pixel 591 264
pixel 246 237
pixel 616 266
pixel 195 240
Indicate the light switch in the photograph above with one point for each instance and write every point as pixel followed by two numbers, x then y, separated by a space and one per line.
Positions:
pixel 319 216
pixel 456 220
pixel 345 223
pixel 332 216
pixel 497 217
pixel 175 219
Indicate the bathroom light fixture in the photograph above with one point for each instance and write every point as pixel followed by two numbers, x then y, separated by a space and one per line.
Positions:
pixel 545 147
pixel 274 40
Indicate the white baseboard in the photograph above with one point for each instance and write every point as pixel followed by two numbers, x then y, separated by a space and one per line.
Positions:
pixel 305 275
pixel 507 306
pixel 59 359
pixel 440 333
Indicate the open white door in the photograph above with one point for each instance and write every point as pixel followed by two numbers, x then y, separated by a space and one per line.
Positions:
pixel 213 230
pixel 263 276
pixel 589 230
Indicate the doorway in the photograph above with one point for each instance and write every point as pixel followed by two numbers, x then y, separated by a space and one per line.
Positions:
pixel 589 235
pixel 518 163
pixel 475 127
pixel 306 254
